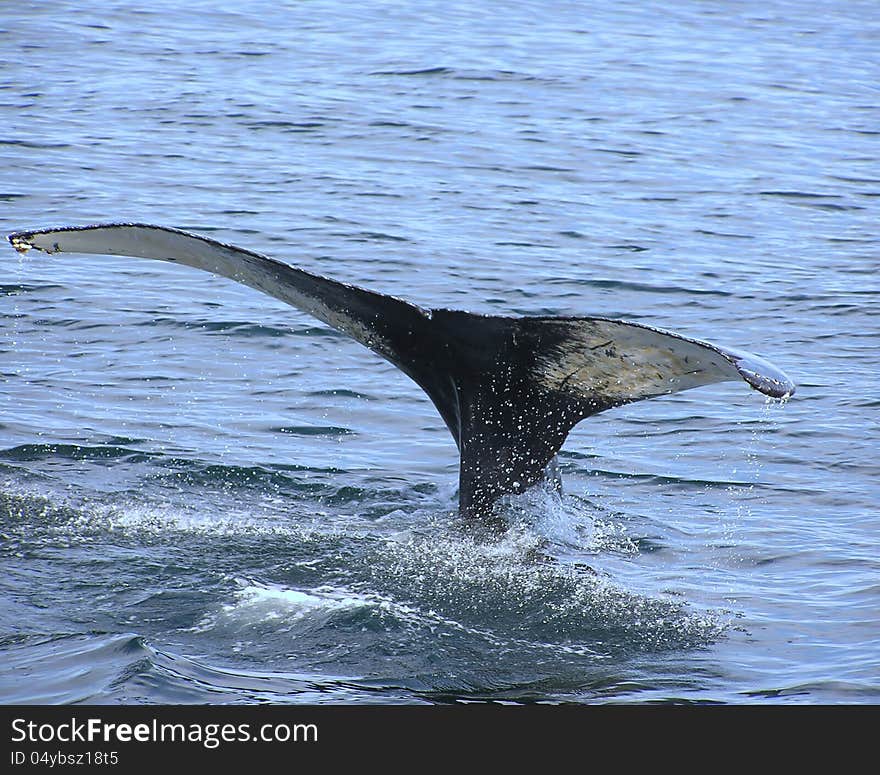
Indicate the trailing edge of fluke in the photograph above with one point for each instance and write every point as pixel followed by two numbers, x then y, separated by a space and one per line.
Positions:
pixel 509 389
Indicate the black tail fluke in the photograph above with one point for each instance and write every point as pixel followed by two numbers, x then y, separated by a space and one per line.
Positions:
pixel 519 385
pixel 509 389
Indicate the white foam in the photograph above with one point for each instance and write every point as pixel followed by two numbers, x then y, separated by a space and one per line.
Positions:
pixel 568 521
pixel 163 520
pixel 297 602
pixel 255 604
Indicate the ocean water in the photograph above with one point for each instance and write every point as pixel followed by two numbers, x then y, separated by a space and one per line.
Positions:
pixel 207 496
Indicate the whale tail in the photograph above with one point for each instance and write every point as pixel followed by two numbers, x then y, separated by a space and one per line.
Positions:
pixel 510 389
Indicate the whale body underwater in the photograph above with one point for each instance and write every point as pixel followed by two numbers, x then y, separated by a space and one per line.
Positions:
pixel 510 389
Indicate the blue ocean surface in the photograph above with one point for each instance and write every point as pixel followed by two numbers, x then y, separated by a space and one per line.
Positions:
pixel 207 496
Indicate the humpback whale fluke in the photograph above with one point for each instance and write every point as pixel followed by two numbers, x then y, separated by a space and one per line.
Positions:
pixel 510 389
